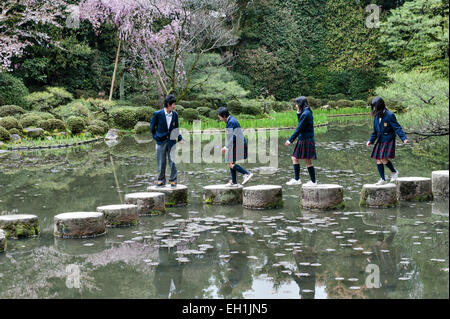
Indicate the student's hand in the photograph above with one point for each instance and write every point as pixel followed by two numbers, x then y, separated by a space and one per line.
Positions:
pixel 368 143
pixel 224 149
pixel 405 142
pixel 287 143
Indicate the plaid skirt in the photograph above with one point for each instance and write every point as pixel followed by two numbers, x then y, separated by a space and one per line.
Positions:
pixel 384 150
pixel 239 152
pixel 305 149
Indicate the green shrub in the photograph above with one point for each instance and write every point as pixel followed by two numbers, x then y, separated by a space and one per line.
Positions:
pixel 203 111
pixel 51 125
pixel 394 106
pixel 78 108
pixel 15 131
pixel 39 101
pixel 213 115
pixel 235 107
pixel 4 135
pixel 85 94
pixel 192 104
pixel 10 122
pixel 337 97
pixel 95 130
pixel 60 96
pixel 42 115
pixel 359 103
pixel 251 110
pixel 125 118
pixel 189 115
pixel 145 113
pixel 247 117
pixel 179 109
pixel 29 120
pixel 344 103
pixel 76 124
pixel 333 104
pixel 12 90
pixel 370 99
pixel 10 110
pixel 101 124
pixel 313 102
pixel 98 104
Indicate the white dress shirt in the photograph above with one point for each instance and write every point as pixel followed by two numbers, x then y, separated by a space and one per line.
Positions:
pixel 168 118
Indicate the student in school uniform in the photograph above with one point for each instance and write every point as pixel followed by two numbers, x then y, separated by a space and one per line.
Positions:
pixel 385 127
pixel 305 148
pixel 235 148
pixel 164 126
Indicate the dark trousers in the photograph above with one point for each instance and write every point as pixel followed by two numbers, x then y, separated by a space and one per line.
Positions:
pixel 163 152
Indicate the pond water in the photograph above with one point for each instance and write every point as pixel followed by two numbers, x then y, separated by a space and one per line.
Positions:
pixel 222 252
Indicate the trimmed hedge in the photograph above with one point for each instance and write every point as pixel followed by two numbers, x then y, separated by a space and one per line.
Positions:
pixel 12 90
pixel 235 107
pixel 29 120
pixel 203 111
pixel 75 108
pixel 344 103
pixel 251 110
pixel 125 118
pixel 333 104
pixel 101 124
pixel 145 113
pixel 15 131
pixel 10 122
pixel 52 125
pixel 359 103
pixel 213 115
pixel 76 124
pixel 95 130
pixel 189 115
pixel 179 109
pixel 11 110
pixel 4 135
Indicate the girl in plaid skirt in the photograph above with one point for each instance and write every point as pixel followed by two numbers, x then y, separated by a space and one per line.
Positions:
pixel 385 127
pixel 305 148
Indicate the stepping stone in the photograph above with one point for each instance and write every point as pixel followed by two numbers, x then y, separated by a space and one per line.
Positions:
pixel 79 225
pixel 322 197
pixel 379 196
pixel 175 196
pixel 222 195
pixel 414 189
pixel 147 203
pixel 440 183
pixel 20 226
pixel 263 197
pixel 2 241
pixel 120 215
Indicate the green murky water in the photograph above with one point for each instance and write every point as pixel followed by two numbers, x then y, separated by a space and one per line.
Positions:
pixel 222 252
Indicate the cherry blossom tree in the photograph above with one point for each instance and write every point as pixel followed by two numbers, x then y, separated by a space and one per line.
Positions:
pixel 19 22
pixel 168 37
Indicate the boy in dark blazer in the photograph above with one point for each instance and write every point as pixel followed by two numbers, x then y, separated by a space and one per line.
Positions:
pixel 164 126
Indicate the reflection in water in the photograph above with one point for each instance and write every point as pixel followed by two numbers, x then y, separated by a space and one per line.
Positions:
pixel 201 251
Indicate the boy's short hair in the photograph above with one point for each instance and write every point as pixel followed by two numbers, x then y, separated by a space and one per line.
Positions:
pixel 169 100
pixel 223 112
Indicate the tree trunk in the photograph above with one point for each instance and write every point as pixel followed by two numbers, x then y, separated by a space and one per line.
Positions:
pixel 115 69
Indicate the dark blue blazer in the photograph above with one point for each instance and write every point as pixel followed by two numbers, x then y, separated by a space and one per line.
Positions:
pixel 305 127
pixel 385 130
pixel 235 135
pixel 161 133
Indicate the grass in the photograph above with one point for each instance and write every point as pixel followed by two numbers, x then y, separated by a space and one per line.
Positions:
pixel 56 140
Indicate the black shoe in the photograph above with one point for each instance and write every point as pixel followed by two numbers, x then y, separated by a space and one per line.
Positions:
pixel 160 184
pixel 173 184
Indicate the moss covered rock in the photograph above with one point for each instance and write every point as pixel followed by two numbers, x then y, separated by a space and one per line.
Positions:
pixel 174 196
pixel 20 226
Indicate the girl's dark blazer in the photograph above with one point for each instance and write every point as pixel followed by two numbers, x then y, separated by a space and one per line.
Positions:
pixel 385 130
pixel 161 133
pixel 234 133
pixel 305 127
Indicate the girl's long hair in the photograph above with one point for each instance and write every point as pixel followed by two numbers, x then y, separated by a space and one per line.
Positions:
pixel 302 103
pixel 378 107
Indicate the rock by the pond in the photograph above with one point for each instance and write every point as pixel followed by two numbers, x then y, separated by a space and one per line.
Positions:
pixel 20 225
pixel 142 127
pixel 79 225
pixel 414 188
pixel 222 195
pixel 322 197
pixel 33 132
pixel 16 138
pixel 175 196
pixel 440 207
pixel 263 197
pixel 379 196
pixel 2 241
pixel 120 215
pixel 440 183
pixel 113 134
pixel 148 203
